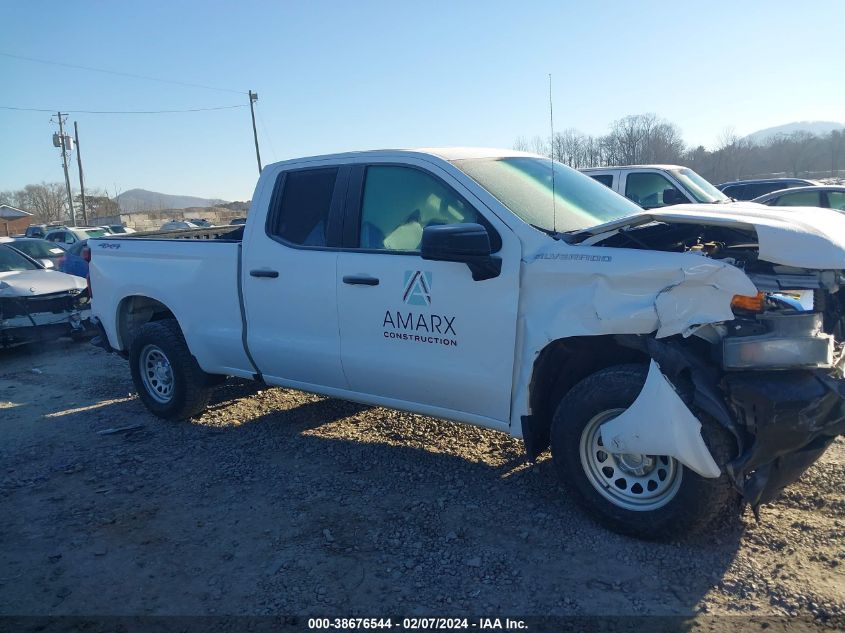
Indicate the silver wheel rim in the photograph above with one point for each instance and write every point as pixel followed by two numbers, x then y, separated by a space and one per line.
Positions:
pixel 632 482
pixel 156 374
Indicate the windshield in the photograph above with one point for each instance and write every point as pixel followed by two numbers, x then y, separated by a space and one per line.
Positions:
pixel 699 188
pixel 524 185
pixel 94 232
pixel 37 249
pixel 11 260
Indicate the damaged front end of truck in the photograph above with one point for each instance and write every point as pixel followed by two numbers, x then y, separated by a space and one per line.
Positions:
pixel 763 355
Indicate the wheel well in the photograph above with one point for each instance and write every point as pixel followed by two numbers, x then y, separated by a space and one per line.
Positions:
pixel 134 312
pixel 559 367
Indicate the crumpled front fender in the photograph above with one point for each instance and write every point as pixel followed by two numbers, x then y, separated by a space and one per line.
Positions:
pixel 659 423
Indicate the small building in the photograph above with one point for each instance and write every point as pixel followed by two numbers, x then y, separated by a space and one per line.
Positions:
pixel 13 221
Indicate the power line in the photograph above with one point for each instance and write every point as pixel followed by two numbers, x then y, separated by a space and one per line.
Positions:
pixel 119 73
pixel 228 107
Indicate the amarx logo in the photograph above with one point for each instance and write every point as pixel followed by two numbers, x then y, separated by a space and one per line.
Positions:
pixel 417 288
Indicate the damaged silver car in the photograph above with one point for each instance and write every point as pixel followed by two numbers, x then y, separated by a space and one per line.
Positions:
pixel 37 304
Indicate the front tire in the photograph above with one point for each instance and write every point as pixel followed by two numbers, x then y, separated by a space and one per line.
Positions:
pixel 167 377
pixel 652 497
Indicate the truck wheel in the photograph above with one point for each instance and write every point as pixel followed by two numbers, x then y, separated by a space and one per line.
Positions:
pixel 652 497
pixel 168 379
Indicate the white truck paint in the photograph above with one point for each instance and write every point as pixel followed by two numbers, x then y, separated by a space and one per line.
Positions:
pixel 412 331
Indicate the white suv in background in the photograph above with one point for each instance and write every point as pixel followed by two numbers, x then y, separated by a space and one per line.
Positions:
pixel 655 186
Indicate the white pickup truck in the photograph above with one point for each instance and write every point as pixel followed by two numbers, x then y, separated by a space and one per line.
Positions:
pixel 654 186
pixel 662 355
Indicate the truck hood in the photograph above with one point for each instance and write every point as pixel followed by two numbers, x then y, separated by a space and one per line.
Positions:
pixel 803 237
pixel 30 283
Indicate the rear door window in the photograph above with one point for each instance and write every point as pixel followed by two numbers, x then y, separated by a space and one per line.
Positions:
pixel 301 214
pixel 605 179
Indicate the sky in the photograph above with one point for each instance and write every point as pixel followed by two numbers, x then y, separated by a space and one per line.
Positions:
pixel 339 76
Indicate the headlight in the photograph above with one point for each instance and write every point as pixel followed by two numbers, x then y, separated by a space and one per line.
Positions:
pixel 751 304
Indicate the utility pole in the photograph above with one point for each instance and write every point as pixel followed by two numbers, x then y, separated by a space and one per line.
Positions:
pixel 81 180
pixel 64 164
pixel 253 97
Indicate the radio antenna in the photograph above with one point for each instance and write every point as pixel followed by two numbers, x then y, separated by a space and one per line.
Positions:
pixel 552 154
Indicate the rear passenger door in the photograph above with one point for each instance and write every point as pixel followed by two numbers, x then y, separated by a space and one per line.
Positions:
pixel 421 331
pixel 289 278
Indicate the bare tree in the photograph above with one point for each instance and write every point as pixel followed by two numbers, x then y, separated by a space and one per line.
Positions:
pixel 47 201
pixel 643 138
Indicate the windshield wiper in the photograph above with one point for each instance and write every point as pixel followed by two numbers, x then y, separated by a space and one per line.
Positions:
pixel 549 232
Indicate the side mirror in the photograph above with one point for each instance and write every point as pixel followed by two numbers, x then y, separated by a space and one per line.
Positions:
pixel 47 263
pixel 466 243
pixel 673 196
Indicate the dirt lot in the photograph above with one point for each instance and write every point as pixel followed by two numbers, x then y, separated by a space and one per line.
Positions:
pixel 280 502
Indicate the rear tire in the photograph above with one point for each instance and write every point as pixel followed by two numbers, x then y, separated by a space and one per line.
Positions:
pixel 167 377
pixel 647 496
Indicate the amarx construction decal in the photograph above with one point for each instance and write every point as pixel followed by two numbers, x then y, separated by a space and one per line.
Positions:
pixel 419 327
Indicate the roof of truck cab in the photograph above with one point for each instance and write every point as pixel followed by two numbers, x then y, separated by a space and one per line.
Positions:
pixel 446 153
pixel 586 169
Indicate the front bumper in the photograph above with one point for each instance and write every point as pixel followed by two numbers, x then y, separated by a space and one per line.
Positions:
pixel 38 327
pixel 792 416
pixel 782 421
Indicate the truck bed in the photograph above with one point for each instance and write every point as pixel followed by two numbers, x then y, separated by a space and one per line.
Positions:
pixel 192 272
pixel 219 233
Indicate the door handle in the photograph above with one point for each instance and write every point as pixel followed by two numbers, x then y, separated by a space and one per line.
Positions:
pixel 272 274
pixel 360 280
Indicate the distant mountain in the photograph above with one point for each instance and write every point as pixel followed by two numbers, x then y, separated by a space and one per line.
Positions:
pixel 143 200
pixel 818 128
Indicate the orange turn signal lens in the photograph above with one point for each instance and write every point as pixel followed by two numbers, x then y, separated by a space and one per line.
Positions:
pixel 752 304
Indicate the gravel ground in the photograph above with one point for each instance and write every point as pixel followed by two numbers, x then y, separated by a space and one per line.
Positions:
pixel 281 502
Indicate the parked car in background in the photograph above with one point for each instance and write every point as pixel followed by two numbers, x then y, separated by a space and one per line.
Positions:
pixel 655 186
pixel 47 253
pixel 72 234
pixel 41 230
pixel 237 221
pixel 120 229
pixel 750 189
pixel 201 222
pixel 174 225
pixel 826 196
pixel 74 262
pixel 36 303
